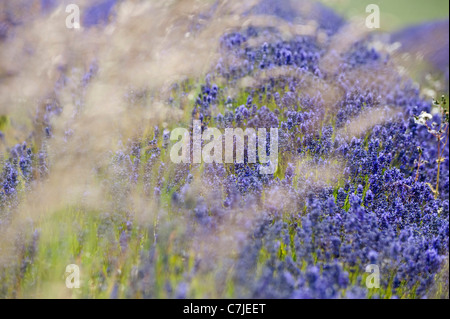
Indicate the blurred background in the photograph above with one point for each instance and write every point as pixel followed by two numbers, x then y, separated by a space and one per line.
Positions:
pixel 396 14
pixel 420 26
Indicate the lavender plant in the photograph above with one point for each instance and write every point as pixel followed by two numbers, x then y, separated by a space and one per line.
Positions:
pixel 440 132
pixel 353 185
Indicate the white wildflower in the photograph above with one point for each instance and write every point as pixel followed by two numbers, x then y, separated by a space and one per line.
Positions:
pixel 422 118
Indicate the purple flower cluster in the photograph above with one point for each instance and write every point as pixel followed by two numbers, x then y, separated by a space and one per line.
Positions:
pixel 379 215
pixel 317 237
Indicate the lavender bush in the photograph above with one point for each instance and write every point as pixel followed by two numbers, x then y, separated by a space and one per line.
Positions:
pixel 362 174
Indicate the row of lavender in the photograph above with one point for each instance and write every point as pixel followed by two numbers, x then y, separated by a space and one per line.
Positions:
pixel 380 210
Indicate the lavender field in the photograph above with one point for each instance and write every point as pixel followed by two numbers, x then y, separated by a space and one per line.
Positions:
pixel 352 204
